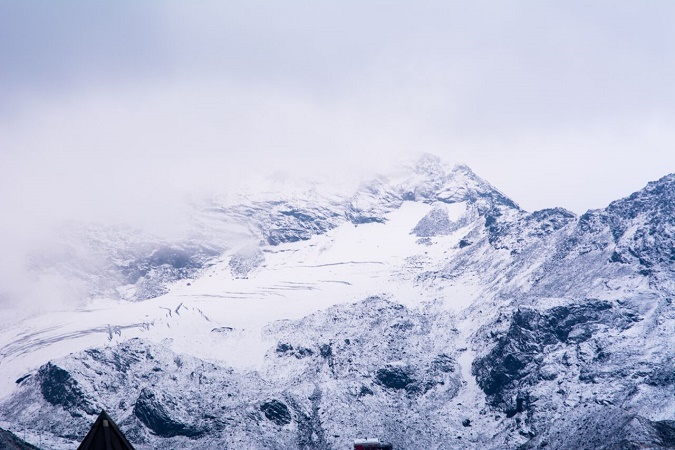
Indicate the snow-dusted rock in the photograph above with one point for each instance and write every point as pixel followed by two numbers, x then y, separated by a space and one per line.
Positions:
pixel 425 308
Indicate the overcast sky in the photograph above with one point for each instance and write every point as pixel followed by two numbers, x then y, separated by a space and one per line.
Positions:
pixel 109 104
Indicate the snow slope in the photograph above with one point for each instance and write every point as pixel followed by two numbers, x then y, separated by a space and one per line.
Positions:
pixel 346 264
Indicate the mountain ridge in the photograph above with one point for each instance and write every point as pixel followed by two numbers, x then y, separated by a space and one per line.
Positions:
pixel 429 310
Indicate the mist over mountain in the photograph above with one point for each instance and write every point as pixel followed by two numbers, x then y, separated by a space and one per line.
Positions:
pixel 424 307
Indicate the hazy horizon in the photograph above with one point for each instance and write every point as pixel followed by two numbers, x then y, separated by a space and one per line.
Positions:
pixel 125 110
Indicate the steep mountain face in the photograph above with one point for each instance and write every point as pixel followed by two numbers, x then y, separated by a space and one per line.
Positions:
pixel 426 309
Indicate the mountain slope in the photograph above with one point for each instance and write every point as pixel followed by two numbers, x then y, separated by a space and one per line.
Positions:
pixel 426 308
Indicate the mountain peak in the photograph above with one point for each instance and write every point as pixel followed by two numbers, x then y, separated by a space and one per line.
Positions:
pixel 656 196
pixel 429 164
pixel 433 165
pixel 461 167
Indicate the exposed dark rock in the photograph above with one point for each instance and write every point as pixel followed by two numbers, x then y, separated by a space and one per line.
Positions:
pixel 294 224
pixel 424 241
pixel 515 361
pixel 154 413
pixel 9 441
pixel 122 360
pixel 618 258
pixel 665 430
pixel 23 378
pixel 303 352
pixel 513 232
pixel 326 351
pixel 276 412
pixel 175 257
pixel 283 348
pixel 365 390
pixel 464 243
pixel 606 428
pixel 286 349
pixel 158 265
pixel 662 375
pixel 547 221
pixel 540 366
pixel 522 404
pixel 444 363
pixel 394 378
pixel 222 330
pixel 358 218
pixel 60 389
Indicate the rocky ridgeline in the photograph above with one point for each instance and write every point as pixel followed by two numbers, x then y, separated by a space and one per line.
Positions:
pixel 282 220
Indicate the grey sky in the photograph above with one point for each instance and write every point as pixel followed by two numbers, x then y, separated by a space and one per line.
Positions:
pixel 117 111
pixel 109 104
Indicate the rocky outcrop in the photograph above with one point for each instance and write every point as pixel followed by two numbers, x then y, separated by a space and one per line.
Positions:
pixel 9 441
pixel 605 428
pixel 164 415
pixel 435 223
pixel 59 388
pixel 519 358
pixel 277 412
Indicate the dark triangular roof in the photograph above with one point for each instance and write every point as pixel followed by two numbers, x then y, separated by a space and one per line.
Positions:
pixel 104 435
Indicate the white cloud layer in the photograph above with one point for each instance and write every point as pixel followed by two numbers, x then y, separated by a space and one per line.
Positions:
pixel 119 111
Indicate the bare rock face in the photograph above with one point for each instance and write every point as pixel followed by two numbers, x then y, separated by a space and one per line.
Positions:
pixel 518 361
pixel 606 428
pixel 59 388
pixel 165 415
pixel 435 223
pixel 277 412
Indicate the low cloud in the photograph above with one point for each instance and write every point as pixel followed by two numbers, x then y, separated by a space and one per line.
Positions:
pixel 122 112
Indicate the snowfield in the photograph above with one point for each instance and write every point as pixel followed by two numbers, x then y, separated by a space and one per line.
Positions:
pixel 347 264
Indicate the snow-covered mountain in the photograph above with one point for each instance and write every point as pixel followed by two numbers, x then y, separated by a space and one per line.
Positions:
pixel 425 308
